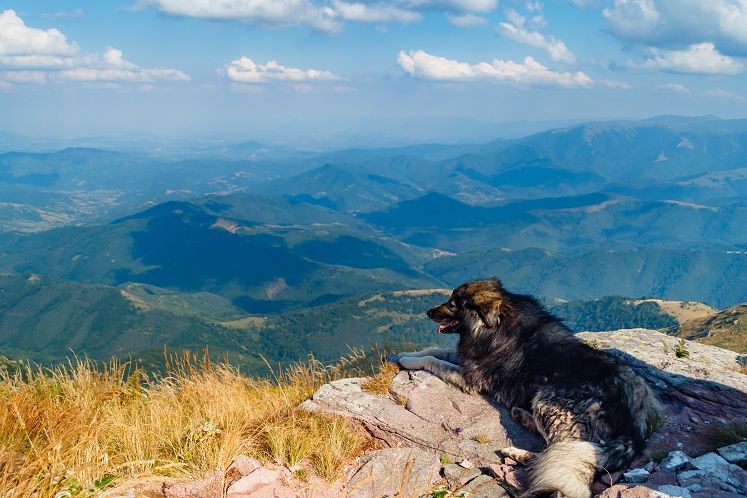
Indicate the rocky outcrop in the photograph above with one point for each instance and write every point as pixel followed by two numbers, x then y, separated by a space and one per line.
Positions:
pixel 436 437
pixel 700 387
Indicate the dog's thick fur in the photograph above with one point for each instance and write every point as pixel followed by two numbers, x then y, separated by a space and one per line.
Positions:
pixel 592 410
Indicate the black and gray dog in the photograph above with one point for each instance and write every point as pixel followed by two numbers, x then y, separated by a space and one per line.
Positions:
pixel 592 410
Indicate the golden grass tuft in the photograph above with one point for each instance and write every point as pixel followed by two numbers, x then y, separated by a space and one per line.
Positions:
pixel 381 382
pixel 80 426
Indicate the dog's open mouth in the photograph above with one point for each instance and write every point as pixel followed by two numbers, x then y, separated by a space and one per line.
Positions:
pixel 448 327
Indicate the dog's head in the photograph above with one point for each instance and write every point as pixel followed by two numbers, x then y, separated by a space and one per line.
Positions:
pixel 476 303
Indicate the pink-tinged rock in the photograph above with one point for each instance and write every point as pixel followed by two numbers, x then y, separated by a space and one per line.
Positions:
pixel 661 479
pixel 242 466
pixel 209 487
pixel 515 479
pixel 611 478
pixel 253 483
pixel 625 491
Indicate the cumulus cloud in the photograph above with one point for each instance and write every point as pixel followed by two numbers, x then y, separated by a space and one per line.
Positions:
pixel 517 31
pixel 420 64
pixel 679 23
pixel 325 15
pixel 700 58
pixel 39 56
pixel 245 70
pixel 18 40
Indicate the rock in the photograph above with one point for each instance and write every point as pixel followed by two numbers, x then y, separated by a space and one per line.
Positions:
pixel 457 476
pixel 436 417
pixel 735 453
pixel 675 461
pixel 513 479
pixel 657 479
pixel 669 490
pixel 209 487
pixel 697 392
pixel 240 467
pixel 636 475
pixel 707 461
pixel 395 472
pixel 255 482
pixel 482 487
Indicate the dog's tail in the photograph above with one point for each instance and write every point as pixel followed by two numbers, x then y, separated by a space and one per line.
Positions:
pixel 567 468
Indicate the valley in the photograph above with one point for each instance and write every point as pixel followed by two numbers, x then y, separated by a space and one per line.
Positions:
pixel 282 254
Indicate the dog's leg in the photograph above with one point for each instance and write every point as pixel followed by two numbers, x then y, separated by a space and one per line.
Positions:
pixel 446 371
pixel 521 456
pixel 447 354
pixel 524 417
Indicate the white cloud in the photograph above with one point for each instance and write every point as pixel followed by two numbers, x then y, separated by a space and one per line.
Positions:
pixel 17 39
pixel 264 13
pixel 676 87
pixel 678 23
pixel 245 70
pixel 40 56
pixel 420 64
pixel 466 20
pixel 24 76
pixel 517 31
pixel 724 94
pixel 325 15
pixel 375 14
pixel 701 58
pixel 633 18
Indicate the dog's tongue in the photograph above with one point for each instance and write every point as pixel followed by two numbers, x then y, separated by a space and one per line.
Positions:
pixel 444 325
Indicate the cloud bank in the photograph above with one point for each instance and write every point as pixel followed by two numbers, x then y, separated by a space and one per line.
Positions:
pixel 324 15
pixel 420 64
pixel 31 55
pixel 245 70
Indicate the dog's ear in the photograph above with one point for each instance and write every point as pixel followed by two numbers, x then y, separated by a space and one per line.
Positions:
pixel 488 306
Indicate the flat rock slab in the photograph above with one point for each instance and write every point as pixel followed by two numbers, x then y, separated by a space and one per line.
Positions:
pixel 404 472
pixel 436 417
pixel 699 393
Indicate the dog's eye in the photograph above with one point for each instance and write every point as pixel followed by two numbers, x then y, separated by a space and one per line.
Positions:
pixel 451 304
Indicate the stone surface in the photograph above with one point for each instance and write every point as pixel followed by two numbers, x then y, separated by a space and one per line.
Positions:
pixel 209 487
pixel 636 475
pixel 457 475
pixel 406 472
pixel 482 487
pixel 240 467
pixel 436 417
pixel 675 461
pixel 735 453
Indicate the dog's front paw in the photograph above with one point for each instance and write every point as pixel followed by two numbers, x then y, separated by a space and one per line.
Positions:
pixel 517 454
pixel 392 358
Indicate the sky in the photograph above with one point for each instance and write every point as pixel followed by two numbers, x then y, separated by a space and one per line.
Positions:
pixel 299 71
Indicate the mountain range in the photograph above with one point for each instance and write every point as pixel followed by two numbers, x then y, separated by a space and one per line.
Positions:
pixel 255 240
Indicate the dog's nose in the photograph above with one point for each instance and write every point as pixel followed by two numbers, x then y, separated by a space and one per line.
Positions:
pixel 429 313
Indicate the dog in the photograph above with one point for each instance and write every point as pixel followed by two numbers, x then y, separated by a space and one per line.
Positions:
pixel 592 410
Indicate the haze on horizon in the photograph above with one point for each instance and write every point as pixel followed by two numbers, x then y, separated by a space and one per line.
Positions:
pixel 339 70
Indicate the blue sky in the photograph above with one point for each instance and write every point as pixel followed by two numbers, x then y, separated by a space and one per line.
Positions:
pixel 408 70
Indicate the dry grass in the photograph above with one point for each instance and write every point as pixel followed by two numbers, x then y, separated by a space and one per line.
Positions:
pixel 381 382
pixel 75 428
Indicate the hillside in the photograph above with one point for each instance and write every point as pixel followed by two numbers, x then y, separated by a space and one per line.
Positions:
pixel 726 329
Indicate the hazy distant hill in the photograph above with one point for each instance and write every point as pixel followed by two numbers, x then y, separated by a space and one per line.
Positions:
pixel 725 329
pixel 286 255
pixel 713 274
